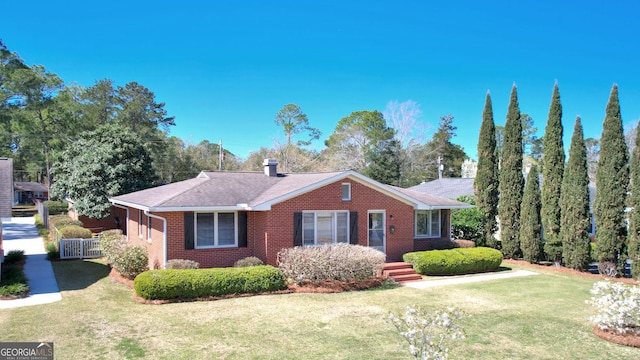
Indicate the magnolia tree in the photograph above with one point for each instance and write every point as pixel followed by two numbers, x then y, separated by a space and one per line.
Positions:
pixel 427 333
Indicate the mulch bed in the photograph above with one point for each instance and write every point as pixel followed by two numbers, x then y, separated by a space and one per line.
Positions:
pixel 562 269
pixel 325 287
pixel 626 339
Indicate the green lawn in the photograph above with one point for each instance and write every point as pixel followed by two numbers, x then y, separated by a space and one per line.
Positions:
pixel 536 317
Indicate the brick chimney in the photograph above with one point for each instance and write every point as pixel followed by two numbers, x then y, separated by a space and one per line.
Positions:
pixel 270 167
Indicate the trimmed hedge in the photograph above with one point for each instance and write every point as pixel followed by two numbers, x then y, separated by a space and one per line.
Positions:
pixel 56 207
pixel 74 232
pixel 341 262
pixel 57 221
pixel 454 261
pixel 195 283
pixel 248 261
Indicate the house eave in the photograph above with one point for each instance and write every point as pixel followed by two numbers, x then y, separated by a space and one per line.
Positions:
pixel 237 207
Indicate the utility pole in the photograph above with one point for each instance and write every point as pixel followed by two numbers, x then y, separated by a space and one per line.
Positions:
pixel 220 156
pixel 440 167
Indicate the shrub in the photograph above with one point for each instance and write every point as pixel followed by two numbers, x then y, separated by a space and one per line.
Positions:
pixel 182 264
pixel 454 261
pixel 427 332
pixel 248 261
pixel 12 274
pixel 56 207
pixel 52 251
pixel 15 256
pixel 74 232
pixel 14 290
pixel 439 244
pixel 617 307
pixel 467 224
pixel 111 240
pixel 195 283
pixel 464 243
pixel 342 262
pixel 130 261
pixel 57 221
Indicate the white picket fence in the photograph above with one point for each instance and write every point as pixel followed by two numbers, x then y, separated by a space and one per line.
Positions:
pixel 80 248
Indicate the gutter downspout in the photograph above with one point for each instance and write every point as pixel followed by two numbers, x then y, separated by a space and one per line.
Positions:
pixel 127 209
pixel 164 236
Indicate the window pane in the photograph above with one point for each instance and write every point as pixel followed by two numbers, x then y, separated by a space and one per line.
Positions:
pixel 376 229
pixel 307 229
pixel 421 223
pixel 204 225
pixel 346 191
pixel 325 228
pixel 342 224
pixel 226 229
pixel 435 223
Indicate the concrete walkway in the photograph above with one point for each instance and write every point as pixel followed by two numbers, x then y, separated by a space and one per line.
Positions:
pixel 21 234
pixel 423 284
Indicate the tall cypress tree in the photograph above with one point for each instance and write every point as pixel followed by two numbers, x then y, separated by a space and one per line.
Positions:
pixel 634 204
pixel 574 202
pixel 511 180
pixel 486 181
pixel 553 168
pixel 612 180
pixel 530 222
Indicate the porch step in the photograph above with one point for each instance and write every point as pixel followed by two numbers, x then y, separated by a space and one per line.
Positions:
pixel 400 272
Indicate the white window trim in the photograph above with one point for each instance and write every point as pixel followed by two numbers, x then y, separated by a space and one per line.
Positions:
pixel 215 230
pixel 140 232
pixel 334 236
pixel 427 236
pixel 348 185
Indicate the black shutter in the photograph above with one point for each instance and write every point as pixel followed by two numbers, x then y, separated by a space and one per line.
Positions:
pixel 444 224
pixel 297 229
pixel 188 231
pixel 242 229
pixel 353 225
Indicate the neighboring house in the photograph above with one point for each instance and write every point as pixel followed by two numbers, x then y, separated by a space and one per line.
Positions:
pixel 28 192
pixel 6 187
pixel 218 218
pixel 453 188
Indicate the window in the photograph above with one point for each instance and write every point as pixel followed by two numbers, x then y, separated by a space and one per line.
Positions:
pixel 217 229
pixel 140 224
pixel 149 228
pixel 428 223
pixel 325 227
pixel 346 192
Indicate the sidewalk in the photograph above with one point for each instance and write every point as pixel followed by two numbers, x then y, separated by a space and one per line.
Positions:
pixel 21 234
pixel 423 284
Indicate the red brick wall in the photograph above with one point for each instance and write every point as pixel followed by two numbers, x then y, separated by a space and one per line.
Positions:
pixel 98 225
pixel 279 222
pixel 270 231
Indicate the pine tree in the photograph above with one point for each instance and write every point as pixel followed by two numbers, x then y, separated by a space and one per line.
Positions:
pixel 553 168
pixel 530 222
pixel 511 180
pixel 486 181
pixel 575 219
pixel 612 180
pixel 634 204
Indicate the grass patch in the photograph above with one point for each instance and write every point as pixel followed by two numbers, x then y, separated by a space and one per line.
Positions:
pixel 536 317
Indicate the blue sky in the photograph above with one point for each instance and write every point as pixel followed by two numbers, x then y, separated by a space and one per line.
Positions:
pixel 224 69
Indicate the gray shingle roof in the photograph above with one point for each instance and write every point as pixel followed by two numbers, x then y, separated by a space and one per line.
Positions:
pixel 256 191
pixel 451 188
pixel 30 186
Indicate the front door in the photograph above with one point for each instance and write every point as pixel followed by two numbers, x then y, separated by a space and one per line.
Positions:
pixel 377 230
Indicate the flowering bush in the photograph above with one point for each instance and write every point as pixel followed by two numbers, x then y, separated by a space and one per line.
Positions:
pixel 342 262
pixel 617 307
pixel 427 332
